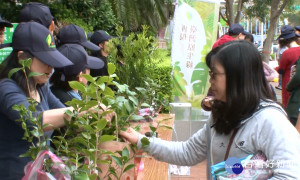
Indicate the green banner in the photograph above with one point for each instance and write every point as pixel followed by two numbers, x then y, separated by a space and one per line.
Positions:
pixel 194 32
pixel 8 34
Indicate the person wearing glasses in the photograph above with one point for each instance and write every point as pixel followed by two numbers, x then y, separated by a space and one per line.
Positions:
pixel 244 118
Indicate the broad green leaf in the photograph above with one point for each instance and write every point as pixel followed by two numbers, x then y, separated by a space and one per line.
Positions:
pixel 109 92
pixel 14 70
pixel 77 86
pixel 128 106
pixel 130 166
pixel 134 100
pixel 88 78
pixel 125 152
pixel 117 160
pixel 145 105
pixel 141 90
pixel 111 68
pixel 105 138
pixel 102 79
pixel 35 74
pixel 145 142
pixel 82 176
pixel 86 135
pixel 102 86
pixel 101 124
pixel 136 117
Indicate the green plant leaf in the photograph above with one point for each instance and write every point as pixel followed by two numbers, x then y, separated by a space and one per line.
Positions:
pixel 165 126
pixel 82 176
pixel 134 100
pixel 145 142
pixel 106 138
pixel 109 92
pixel 117 160
pixel 145 105
pixel 101 124
pixel 130 166
pixel 14 70
pixel 111 68
pixel 88 78
pixel 77 86
pixel 125 152
pixel 102 86
pixel 26 63
pixel 136 117
pixel 86 135
pixel 34 74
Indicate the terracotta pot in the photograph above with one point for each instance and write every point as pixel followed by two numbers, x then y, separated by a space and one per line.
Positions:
pixel 113 146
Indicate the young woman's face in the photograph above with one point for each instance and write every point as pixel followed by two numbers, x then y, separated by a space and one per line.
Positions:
pixel 40 67
pixel 218 81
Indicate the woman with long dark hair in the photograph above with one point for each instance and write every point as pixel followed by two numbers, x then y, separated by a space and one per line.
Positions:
pixel 244 119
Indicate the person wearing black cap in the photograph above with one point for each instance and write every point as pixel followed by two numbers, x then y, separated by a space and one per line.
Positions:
pixel 39 13
pixel 100 38
pixel 3 24
pixel 288 58
pixel 73 34
pixel 235 32
pixel 30 40
pixel 82 63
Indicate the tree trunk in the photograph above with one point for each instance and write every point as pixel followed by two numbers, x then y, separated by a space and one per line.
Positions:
pixel 276 10
pixel 238 12
pixel 229 12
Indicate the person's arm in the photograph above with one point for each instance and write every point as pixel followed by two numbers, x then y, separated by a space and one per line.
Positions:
pixel 278 139
pixel 283 63
pixel 187 153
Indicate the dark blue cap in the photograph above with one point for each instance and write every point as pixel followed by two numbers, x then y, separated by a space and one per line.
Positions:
pixel 297 28
pixel 75 35
pixel 4 23
pixel 37 12
pixel 36 39
pixel 287 32
pixel 99 37
pixel 80 59
pixel 236 29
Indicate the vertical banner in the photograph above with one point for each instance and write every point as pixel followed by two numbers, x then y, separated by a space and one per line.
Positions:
pixel 194 32
pixel 8 33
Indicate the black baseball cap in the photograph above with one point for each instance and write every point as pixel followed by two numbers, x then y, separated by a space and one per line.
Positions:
pixel 297 28
pixel 287 32
pixel 4 23
pixel 100 36
pixel 80 59
pixel 236 29
pixel 37 12
pixel 75 35
pixel 36 39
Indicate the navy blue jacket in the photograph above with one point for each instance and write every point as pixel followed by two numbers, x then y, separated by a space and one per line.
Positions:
pixel 11 132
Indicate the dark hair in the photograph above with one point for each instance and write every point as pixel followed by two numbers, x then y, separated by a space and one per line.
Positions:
pixel 246 84
pixel 11 62
pixel 56 79
pixel 286 42
pixel 98 53
pixel 249 37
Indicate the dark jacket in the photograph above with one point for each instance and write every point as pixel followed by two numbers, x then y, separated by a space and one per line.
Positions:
pixel 293 87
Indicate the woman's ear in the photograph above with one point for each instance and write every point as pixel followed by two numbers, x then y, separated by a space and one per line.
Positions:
pixel 21 55
pixel 80 78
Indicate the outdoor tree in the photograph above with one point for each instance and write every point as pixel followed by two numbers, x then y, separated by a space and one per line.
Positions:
pixel 272 9
pixel 233 13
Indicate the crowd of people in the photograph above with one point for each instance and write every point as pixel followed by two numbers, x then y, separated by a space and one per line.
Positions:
pixel 245 116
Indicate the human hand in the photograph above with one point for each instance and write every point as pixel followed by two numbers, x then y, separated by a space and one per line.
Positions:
pixel 293 71
pixel 130 135
pixel 208 100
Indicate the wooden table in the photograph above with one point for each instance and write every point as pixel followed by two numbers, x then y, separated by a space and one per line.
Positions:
pixel 153 169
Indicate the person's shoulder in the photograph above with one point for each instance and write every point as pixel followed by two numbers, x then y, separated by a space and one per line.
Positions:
pixel 8 84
